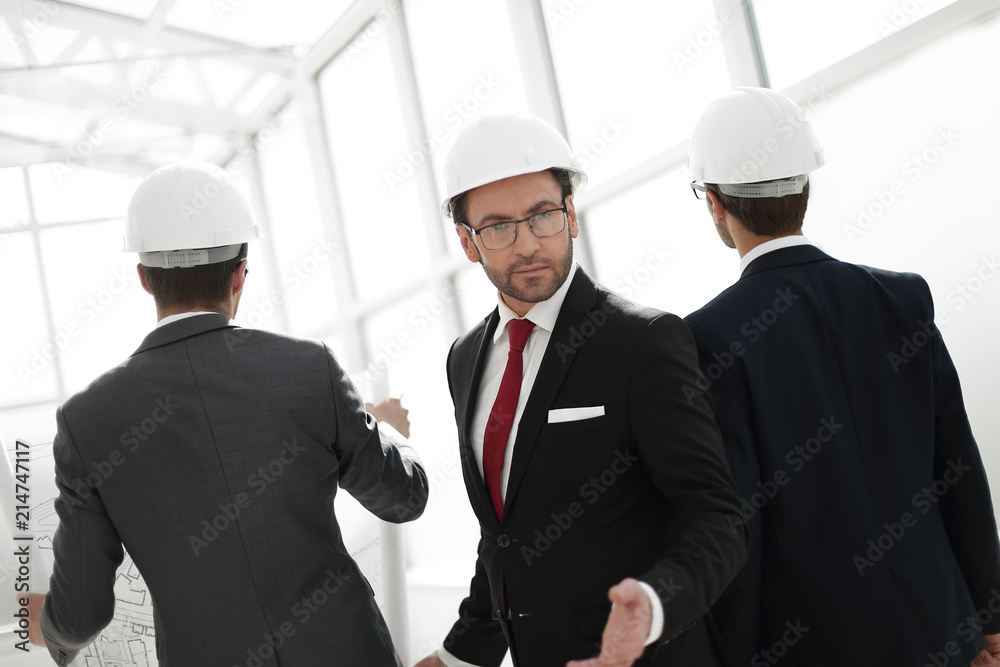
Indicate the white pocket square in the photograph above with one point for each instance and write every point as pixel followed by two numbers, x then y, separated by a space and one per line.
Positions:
pixel 574 414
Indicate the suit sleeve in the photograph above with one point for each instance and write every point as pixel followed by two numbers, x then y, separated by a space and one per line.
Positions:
pixel 967 508
pixel 477 637
pixel 680 445
pixel 377 467
pixel 737 612
pixel 87 550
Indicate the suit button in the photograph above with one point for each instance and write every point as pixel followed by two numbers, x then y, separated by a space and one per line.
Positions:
pixel 503 541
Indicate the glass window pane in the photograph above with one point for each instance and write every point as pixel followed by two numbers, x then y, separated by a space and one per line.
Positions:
pixel 14 211
pixel 261 301
pixel 666 255
pixel 456 90
pixel 381 215
pixel 904 189
pixel 267 24
pixel 409 344
pixel 302 246
pixel 27 368
pixel 99 307
pixel 477 295
pixel 800 38
pixel 34 424
pixel 63 192
pixel 631 86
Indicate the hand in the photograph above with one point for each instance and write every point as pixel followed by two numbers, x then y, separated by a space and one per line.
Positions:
pixel 35 601
pixel 431 661
pixel 392 412
pixel 990 657
pixel 627 629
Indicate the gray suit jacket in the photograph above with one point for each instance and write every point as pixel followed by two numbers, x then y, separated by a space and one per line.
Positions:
pixel 213 454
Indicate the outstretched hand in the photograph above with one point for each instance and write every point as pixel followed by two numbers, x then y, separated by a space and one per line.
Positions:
pixel 627 629
pixel 392 412
pixel 990 657
pixel 430 661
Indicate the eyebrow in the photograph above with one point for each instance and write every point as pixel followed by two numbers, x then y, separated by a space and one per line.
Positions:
pixel 497 217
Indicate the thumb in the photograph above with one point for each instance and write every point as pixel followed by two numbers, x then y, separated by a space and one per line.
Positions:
pixel 617 594
pixel 624 591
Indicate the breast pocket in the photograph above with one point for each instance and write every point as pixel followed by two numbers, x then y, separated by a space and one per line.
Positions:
pixel 569 423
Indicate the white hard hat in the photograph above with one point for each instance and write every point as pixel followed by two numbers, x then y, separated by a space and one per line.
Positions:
pixel 751 135
pixel 188 214
pixel 498 146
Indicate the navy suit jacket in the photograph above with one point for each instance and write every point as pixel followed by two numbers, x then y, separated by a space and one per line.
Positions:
pixel 213 455
pixel 873 534
pixel 641 491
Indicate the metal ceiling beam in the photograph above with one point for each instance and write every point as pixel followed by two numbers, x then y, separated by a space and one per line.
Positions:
pixel 168 39
pixel 40 153
pixel 44 83
pixel 152 28
pixel 78 94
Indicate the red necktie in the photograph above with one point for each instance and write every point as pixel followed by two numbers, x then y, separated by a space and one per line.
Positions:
pixel 502 414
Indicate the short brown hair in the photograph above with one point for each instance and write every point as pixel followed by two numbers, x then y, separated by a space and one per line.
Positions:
pixel 207 284
pixel 767 216
pixel 458 205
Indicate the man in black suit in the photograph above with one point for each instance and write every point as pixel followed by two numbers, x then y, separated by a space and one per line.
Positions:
pixel 872 529
pixel 587 467
pixel 213 455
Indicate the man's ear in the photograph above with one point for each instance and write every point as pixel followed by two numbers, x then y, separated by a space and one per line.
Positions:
pixel 468 243
pixel 239 277
pixel 715 206
pixel 574 223
pixel 142 278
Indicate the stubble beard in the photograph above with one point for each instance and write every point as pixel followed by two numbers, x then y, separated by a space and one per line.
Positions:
pixel 536 289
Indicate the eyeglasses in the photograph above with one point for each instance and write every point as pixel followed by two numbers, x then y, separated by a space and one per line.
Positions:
pixel 503 234
pixel 699 190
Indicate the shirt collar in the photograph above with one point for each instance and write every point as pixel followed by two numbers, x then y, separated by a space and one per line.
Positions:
pixel 543 313
pixel 770 246
pixel 181 316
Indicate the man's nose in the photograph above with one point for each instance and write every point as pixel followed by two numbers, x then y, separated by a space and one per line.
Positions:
pixel 526 243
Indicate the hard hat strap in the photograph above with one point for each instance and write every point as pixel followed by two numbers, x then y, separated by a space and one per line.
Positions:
pixel 788 186
pixel 186 258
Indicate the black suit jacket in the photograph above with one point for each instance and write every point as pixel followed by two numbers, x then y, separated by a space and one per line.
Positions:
pixel 873 531
pixel 642 491
pixel 213 454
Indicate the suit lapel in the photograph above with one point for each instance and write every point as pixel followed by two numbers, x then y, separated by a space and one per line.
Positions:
pixel 559 355
pixel 482 504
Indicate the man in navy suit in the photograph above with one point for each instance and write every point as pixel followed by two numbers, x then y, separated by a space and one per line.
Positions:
pixel 872 529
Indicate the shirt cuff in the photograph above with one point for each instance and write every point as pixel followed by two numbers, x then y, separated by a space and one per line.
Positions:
pixel 452 661
pixel 656 626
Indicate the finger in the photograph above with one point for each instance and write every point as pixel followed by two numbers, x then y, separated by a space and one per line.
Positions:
pixel 984 659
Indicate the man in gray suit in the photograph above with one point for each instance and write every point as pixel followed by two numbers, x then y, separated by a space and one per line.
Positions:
pixel 213 455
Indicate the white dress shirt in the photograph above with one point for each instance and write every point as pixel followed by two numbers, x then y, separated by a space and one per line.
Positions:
pixel 544 315
pixel 181 316
pixel 769 246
